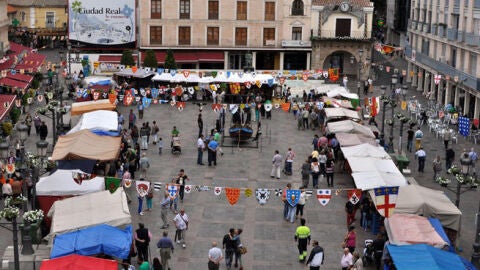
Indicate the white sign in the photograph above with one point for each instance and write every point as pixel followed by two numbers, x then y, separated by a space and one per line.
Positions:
pixel 97 24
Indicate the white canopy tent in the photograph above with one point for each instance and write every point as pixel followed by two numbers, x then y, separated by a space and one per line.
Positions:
pixel 349 126
pixel 99 80
pixel 100 120
pixel 140 73
pixel 348 139
pixel 341 113
pixel 365 150
pixel 179 78
pixel 61 183
pixel 89 210
pixel 374 179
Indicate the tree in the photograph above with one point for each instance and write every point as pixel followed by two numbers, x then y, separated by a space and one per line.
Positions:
pixel 150 59
pixel 170 60
pixel 127 58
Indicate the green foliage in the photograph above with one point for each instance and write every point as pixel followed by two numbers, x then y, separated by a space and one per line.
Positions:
pixel 127 58
pixel 7 128
pixel 170 60
pixel 15 114
pixel 150 60
pixel 37 79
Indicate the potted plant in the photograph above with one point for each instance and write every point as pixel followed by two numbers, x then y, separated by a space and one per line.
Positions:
pixel 443 181
pixel 33 216
pixel 9 213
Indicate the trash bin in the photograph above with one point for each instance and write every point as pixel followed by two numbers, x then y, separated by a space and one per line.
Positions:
pixel 402 162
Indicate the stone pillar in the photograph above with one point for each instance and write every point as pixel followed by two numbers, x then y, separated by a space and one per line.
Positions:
pixel 282 57
pixel 439 92
pixel 426 81
pixel 448 93
pixel 308 61
pixel 466 103
pixel 476 113
pixel 409 68
pixel 420 79
pixel 456 100
pixel 432 84
pixel 225 60
pixel 415 75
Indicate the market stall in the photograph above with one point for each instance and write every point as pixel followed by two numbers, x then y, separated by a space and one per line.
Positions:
pixel 78 262
pixel 100 122
pixel 79 108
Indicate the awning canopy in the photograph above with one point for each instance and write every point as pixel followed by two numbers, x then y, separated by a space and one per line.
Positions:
pixel 6 103
pixel 84 144
pixel 349 126
pixel 89 106
pixel 61 183
pixel 89 210
pixel 415 199
pixel 341 114
pixel 9 82
pixel 337 103
pixel 191 57
pixel 78 262
pixel 31 62
pixel 100 122
pixel 100 239
pixel 425 257
pixel 20 77
pixel 140 73
pixel 365 150
pixel 347 139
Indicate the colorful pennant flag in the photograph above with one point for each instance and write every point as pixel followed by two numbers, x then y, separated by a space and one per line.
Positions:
pixel 385 200
pixel 324 196
pixel 233 194
pixel 112 183
pixel 142 188
pixel 354 195
pixel 463 126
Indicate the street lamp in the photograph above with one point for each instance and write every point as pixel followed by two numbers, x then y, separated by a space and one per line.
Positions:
pixel 384 101
pixel 404 91
pixel 41 153
pixel 394 83
pixel 403 119
pixel 391 123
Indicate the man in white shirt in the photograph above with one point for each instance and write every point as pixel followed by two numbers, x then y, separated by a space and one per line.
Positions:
pixel 276 164
pixel 316 256
pixel 200 149
pixel 181 223
pixel 347 259
pixel 421 155
pixel 214 257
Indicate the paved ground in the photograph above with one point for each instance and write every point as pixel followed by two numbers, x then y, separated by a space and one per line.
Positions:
pixel 268 237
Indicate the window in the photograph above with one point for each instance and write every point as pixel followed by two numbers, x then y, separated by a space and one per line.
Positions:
pixel 184 9
pixel 297 8
pixel 269 11
pixel 50 20
pixel 342 27
pixel 296 33
pixel 213 10
pixel 155 35
pixel 213 36
pixel 241 36
pixel 184 35
pixel 268 36
pixel 156 9
pixel 241 10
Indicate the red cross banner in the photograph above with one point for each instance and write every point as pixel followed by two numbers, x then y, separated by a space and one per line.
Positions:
pixel 385 200
pixel 437 79
pixel 354 195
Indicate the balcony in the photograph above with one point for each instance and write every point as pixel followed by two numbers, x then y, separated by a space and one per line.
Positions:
pixel 433 29
pixel 452 34
pixel 354 35
pixel 443 68
pixel 460 36
pixel 426 28
pixel 413 25
pixel 472 39
pixel 296 43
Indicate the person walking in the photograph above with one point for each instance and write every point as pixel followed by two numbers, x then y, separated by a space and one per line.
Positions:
pixel 276 164
pixel 446 138
pixel 302 236
pixel 421 156
pixel 140 109
pixel 37 122
pixel 212 152
pixel 214 257
pixel 305 173
pixel 301 203
pixel 284 199
pixel 180 180
pixel 410 134
pixel 238 246
pixel 155 131
pixel 474 157
pixel 144 136
pixel 28 122
pixel 164 206
pixel 229 245
pixel 181 223
pixel 140 203
pixel 437 167
pixel 358 262
pixel 200 124
pixel 305 115
pixel 144 165
pixel 317 256
pixel 142 239
pixel 200 149
pixel 43 131
pixel 347 259
pixel 132 119
pixel 350 239
pixel 418 138
pixel 315 170
pixel 289 161
pixel 449 158
pixel 150 197
pixel 166 247
pixel 329 170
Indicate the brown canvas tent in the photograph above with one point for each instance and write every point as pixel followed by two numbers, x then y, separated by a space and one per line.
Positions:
pixel 79 108
pixel 84 144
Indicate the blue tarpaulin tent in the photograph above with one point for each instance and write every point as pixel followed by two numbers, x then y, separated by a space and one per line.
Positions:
pixel 424 257
pixel 101 239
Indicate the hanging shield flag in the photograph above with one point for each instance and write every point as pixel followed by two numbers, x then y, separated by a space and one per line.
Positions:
pixel 143 92
pixel 160 70
pixel 293 196
pixel 112 183
pixel 172 190
pixel 248 192
pixel 325 74
pixel 112 97
pixel 354 195
pixel 188 188
pixel 95 94
pixel 262 195
pixel 233 194
pixel 229 73
pixel 128 99
pixel 50 95
pixel 277 105
pixel 437 79
pixel 146 102
pixel 186 73
pixel 324 196
pixel 154 93
pixel 157 186
pixel 286 106
pixel 217 190
pixel 386 198
pixel 142 188
pixel 278 192
pixel 248 85
pixel 180 105
pixel 10 168
pixel 40 98
pixel 173 72
pixel 305 77
pixel 270 82
pixel 216 107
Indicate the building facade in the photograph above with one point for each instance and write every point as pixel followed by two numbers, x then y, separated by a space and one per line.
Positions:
pixel 397 16
pixel 342 36
pixel 44 20
pixel 228 34
pixel 444 40
pixel 4 23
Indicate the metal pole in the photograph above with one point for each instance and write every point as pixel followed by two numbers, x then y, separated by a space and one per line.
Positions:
pixel 476 245
pixel 54 126
pixel 16 258
pixel 457 195
pixel 390 138
pixel 382 135
pixel 400 138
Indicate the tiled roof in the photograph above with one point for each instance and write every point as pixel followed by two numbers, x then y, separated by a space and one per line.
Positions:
pixel 38 3
pixel 355 3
